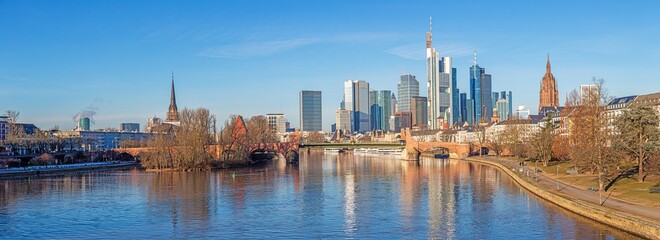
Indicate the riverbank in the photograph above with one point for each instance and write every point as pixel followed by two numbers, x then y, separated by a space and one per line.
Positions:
pixel 637 219
pixel 55 170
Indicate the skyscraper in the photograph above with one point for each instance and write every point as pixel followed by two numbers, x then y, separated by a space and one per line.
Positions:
pixel 375 110
pixel 548 96
pixel 464 108
pixel 476 73
pixel 440 75
pixel 496 97
pixel 507 95
pixel 385 101
pixel 407 88
pixel 418 107
pixel 310 111
pixel 455 104
pixel 470 113
pixel 172 112
pixel 503 109
pixel 356 99
pixel 486 97
pixel 344 119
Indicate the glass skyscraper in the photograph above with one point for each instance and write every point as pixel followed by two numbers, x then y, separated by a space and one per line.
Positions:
pixel 356 99
pixel 408 88
pixel 486 97
pixel 375 110
pixel 464 108
pixel 310 111
pixel 385 102
pixel 476 73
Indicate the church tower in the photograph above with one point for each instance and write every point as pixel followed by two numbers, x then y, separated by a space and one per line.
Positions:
pixel 173 112
pixel 548 96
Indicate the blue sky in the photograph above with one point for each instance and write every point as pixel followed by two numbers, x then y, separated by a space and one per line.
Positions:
pixel 253 57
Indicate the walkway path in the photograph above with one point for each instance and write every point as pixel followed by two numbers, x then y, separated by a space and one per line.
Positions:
pixel 49 169
pixel 586 195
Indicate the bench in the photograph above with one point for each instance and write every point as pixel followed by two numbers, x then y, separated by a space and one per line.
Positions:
pixel 572 171
pixel 654 189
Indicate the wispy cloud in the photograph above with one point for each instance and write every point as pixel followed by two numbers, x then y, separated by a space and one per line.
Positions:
pixel 254 49
pixel 418 51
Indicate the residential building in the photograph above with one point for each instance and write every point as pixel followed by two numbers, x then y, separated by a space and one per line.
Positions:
pixel 276 122
pixel 408 87
pixel 129 127
pixel 548 97
pixel 356 99
pixel 100 140
pixel 310 110
pixel 615 108
pixel 419 113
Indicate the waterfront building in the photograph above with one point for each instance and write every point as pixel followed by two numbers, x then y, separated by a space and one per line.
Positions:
pixel 310 110
pixel 419 112
pixel 549 96
pixel 129 127
pixel 503 109
pixel 99 140
pixel 344 120
pixel 173 111
pixel 356 100
pixel 276 122
pixel 375 110
pixel 385 101
pixel 408 87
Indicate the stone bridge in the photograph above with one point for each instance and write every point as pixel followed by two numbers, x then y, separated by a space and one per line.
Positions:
pixel 414 148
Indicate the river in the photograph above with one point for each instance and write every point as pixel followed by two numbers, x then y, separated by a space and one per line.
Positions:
pixel 325 196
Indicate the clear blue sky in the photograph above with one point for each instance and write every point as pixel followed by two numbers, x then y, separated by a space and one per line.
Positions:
pixel 253 57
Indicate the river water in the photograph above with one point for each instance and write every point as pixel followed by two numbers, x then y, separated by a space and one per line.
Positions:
pixel 325 196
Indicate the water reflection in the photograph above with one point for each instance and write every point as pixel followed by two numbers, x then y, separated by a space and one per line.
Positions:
pixel 325 196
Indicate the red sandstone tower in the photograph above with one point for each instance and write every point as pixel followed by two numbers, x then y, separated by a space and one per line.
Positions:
pixel 548 96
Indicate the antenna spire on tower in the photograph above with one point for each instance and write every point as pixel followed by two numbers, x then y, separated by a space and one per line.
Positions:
pixel 431 24
pixel 475 57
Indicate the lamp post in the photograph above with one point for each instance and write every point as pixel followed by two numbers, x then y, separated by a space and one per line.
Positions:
pixel 557 177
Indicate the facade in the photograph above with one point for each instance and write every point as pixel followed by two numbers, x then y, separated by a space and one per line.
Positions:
pixel 310 104
pixel 276 122
pixel 486 90
pixel 152 122
pixel 375 110
pixel 548 97
pixel 522 112
pixel 385 101
pixel 408 87
pixel 356 99
pixel 405 120
pixel 173 111
pixel 129 127
pixel 4 127
pixel 463 107
pixel 470 117
pixel 419 113
pixel 615 108
pixel 100 140
pixel 587 91
pixel 344 120
pixel 503 109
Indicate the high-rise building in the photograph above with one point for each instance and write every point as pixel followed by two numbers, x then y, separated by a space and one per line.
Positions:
pixel 344 120
pixel 172 112
pixel 356 99
pixel 405 120
pixel 407 88
pixel 276 122
pixel 470 112
pixel 464 109
pixel 509 98
pixel 385 101
pixel 440 77
pixel 496 97
pixel 455 104
pixel 476 74
pixel 418 107
pixel 394 105
pixel 129 127
pixel 310 104
pixel 375 110
pixel 486 89
pixel 503 109
pixel 549 97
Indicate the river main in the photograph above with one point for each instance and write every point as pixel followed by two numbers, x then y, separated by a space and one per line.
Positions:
pixel 325 196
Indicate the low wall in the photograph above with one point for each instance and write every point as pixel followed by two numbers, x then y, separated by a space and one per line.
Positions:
pixel 638 226
pixel 63 170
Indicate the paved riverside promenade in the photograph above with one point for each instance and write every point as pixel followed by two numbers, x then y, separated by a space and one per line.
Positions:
pixel 52 169
pixel 586 195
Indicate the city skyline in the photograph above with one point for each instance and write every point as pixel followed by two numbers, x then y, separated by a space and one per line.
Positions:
pixel 112 58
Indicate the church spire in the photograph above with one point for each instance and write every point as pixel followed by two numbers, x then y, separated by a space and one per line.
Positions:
pixel 172 112
pixel 547 65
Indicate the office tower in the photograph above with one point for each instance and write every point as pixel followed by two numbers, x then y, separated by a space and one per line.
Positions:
pixel 276 122
pixel 470 112
pixel 496 97
pixel 356 99
pixel 385 101
pixel 464 109
pixel 487 100
pixel 549 97
pixel 476 74
pixel 405 120
pixel 408 87
pixel 418 107
pixel 507 95
pixel 455 104
pixel 375 111
pixel 344 119
pixel 441 76
pixel 310 105
pixel 129 127
pixel 394 105
pixel 503 109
